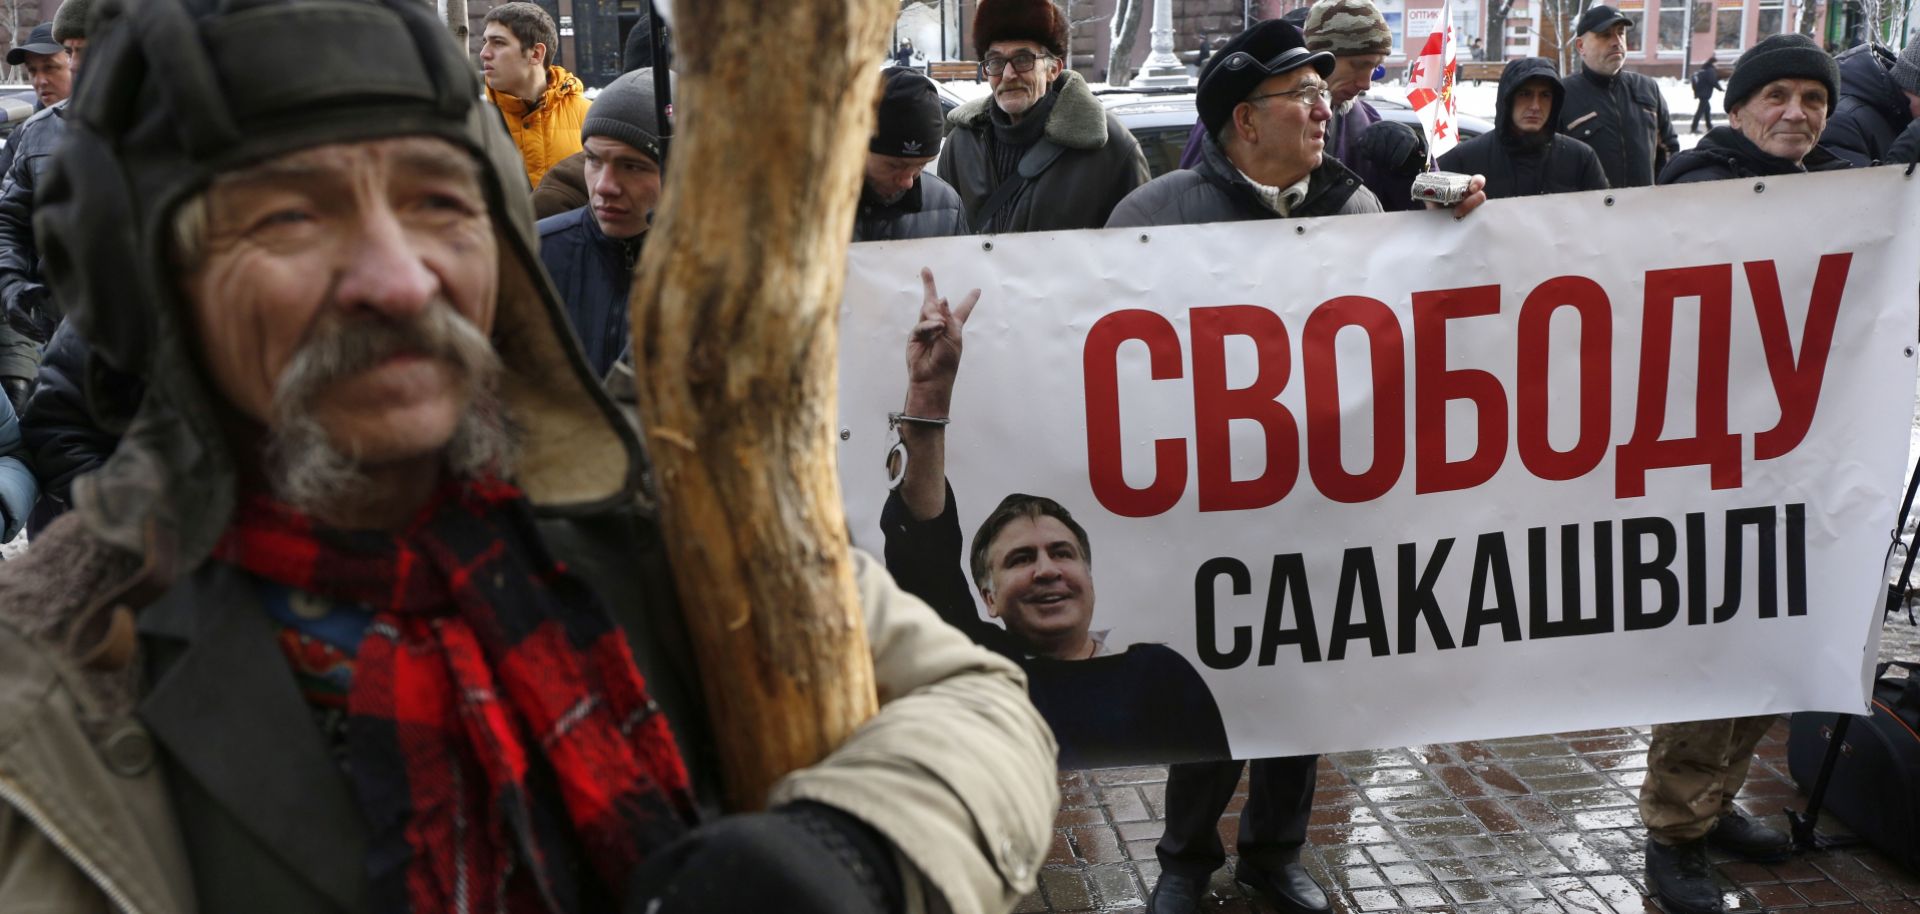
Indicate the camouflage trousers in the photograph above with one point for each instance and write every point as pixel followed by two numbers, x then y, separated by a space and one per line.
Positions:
pixel 1693 772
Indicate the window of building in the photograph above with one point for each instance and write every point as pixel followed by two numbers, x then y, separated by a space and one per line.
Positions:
pixel 1636 28
pixel 1771 18
pixel 1727 22
pixel 1673 29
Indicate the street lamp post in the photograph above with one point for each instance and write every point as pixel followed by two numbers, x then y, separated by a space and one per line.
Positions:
pixel 1162 68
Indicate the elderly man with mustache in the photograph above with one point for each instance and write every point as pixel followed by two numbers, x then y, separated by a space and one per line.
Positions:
pixel 366 611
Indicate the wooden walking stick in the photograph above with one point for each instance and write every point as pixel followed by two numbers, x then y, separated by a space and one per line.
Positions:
pixel 735 314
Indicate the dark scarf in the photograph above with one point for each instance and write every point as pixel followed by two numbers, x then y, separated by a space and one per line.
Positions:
pixel 1010 140
pixel 497 727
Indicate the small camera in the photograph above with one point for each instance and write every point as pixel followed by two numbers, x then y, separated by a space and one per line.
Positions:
pixel 1443 187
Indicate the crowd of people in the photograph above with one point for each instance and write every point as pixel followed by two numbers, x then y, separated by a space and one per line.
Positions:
pixel 331 601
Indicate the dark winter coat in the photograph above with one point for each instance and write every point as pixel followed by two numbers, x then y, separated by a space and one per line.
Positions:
pixel 929 209
pixel 1522 165
pixel 1101 163
pixel 1727 153
pixel 593 273
pixel 1906 149
pixel 63 436
pixel 1344 142
pixel 30 307
pixel 1706 81
pixel 1215 191
pixel 1624 118
pixel 1871 110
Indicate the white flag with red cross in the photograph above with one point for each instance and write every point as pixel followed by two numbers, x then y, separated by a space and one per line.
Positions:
pixel 1432 80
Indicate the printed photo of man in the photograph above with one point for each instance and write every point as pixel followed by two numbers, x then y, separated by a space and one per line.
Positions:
pixel 1032 567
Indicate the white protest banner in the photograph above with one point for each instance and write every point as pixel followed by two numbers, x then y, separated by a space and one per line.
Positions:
pixel 1572 462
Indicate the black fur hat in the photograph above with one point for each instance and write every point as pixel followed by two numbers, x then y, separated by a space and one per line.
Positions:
pixel 1038 21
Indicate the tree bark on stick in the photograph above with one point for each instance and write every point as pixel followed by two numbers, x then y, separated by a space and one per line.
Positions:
pixel 456 12
pixel 735 317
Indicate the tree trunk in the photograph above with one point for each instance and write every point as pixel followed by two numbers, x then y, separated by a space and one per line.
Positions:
pixel 456 11
pixel 1126 20
pixel 735 315
pixel 1494 30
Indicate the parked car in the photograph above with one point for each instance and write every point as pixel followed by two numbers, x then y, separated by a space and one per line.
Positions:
pixel 16 105
pixel 1162 120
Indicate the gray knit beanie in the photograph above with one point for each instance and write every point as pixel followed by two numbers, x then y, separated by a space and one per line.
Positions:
pixel 1788 56
pixel 625 111
pixel 1347 28
pixel 1906 70
pixel 70 22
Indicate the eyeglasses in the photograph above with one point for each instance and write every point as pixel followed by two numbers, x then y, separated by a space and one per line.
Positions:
pixel 1307 96
pixel 1022 63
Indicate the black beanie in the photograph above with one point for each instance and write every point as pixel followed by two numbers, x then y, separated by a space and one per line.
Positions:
pixel 910 116
pixel 1789 56
pixel 625 111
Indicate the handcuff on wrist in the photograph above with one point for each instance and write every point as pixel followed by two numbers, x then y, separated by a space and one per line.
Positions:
pixel 897 447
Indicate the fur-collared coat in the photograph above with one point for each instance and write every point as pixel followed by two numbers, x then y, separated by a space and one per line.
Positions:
pixel 1101 164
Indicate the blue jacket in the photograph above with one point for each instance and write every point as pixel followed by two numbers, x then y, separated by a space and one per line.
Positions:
pixel 17 486
pixel 593 273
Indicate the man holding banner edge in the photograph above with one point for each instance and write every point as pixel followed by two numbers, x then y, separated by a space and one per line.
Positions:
pixel 1777 101
pixel 1264 102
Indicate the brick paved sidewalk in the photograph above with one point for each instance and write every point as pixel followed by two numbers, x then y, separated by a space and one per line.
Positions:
pixel 1536 824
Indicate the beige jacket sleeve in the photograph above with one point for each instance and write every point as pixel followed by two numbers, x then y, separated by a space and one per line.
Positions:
pixel 957 769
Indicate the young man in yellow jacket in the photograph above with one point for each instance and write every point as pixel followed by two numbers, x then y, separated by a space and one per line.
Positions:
pixel 542 104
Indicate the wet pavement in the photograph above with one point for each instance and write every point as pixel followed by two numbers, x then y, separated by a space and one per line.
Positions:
pixel 1532 825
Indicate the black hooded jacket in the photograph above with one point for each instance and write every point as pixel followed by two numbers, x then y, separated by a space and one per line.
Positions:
pixel 1624 118
pixel 1522 165
pixel 1727 153
pixel 1871 110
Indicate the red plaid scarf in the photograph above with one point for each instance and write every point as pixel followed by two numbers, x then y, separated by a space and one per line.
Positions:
pixel 484 656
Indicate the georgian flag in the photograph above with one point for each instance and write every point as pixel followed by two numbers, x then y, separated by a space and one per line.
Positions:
pixel 1432 81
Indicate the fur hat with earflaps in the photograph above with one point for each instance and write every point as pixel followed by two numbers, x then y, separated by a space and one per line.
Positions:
pixel 1038 21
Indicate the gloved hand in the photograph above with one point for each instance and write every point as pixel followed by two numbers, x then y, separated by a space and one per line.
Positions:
pixel 18 390
pixel 34 313
pixel 802 858
pixel 1393 148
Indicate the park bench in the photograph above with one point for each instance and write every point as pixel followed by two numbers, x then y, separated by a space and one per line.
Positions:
pixel 949 70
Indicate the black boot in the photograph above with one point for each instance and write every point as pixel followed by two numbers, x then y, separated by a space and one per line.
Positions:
pixel 1750 838
pixel 1680 877
pixel 1176 894
pixel 1287 888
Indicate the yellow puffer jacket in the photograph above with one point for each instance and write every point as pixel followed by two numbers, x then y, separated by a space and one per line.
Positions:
pixel 550 131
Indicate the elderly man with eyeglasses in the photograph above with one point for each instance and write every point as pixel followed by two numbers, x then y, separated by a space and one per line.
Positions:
pixel 1265 103
pixel 1040 153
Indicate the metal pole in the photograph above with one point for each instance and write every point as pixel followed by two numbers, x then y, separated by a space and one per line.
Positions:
pixel 943 32
pixel 1162 68
pixel 662 81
